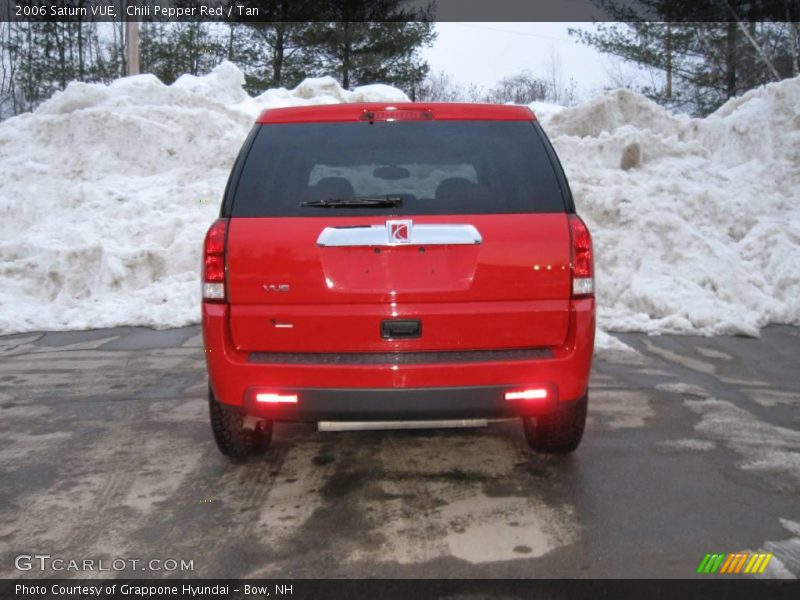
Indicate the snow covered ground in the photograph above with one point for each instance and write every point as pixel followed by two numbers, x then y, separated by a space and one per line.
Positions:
pixel 106 192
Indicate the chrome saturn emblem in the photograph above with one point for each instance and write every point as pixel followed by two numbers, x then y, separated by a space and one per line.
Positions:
pixel 399 232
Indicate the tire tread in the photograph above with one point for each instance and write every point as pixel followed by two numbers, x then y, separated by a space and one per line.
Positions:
pixel 233 441
pixel 558 433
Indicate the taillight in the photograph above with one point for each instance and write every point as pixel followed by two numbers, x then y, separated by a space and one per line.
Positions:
pixel 582 260
pixel 214 262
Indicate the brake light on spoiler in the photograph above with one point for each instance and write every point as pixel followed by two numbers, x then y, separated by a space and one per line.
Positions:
pixel 393 114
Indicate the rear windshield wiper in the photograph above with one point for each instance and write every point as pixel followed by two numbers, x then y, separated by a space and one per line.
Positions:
pixel 357 202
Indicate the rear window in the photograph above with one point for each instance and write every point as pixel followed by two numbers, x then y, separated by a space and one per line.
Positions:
pixel 444 167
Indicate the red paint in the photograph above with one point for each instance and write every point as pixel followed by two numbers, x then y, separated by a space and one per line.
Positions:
pixel 329 113
pixel 511 291
pixel 284 293
pixel 567 372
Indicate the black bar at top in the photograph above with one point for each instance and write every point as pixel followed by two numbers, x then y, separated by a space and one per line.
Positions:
pixel 685 11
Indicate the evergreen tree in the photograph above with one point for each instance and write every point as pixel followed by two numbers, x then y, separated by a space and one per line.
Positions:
pixel 277 55
pixel 170 50
pixel 356 41
pixel 703 63
pixel 360 53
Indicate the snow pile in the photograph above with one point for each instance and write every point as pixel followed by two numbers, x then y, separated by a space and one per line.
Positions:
pixel 545 110
pixel 696 222
pixel 106 192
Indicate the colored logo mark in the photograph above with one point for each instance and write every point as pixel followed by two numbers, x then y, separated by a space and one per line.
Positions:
pixel 738 562
pixel 399 231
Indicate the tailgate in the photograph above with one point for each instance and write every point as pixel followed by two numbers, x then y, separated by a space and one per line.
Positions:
pixel 291 291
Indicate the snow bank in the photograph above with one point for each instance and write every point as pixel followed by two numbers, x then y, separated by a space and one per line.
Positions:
pixel 696 222
pixel 545 110
pixel 106 192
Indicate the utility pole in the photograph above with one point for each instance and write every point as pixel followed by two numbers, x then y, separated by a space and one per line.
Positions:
pixel 132 45
pixel 669 60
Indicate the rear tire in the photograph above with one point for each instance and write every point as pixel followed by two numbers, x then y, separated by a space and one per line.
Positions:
pixel 559 432
pixel 232 440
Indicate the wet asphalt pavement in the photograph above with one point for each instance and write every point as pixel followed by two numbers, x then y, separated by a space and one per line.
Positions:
pixel 692 446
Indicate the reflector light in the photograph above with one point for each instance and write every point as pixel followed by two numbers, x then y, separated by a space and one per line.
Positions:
pixel 272 398
pixel 531 394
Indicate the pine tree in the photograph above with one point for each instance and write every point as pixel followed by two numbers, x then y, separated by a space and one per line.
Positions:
pixel 374 52
pixel 276 55
pixel 718 49
pixel 273 52
pixel 358 41
pixel 170 50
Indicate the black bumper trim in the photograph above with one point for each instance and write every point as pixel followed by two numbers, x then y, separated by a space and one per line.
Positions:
pixel 399 358
pixel 359 404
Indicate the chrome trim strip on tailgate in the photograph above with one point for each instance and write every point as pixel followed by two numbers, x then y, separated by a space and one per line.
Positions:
pixel 398 358
pixel 378 235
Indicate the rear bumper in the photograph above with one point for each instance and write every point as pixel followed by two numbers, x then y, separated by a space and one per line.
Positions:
pixel 408 404
pixel 369 390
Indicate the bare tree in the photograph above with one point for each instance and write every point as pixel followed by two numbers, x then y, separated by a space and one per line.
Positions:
pixel 621 74
pixel 474 93
pixel 440 87
pixel 521 88
pixel 553 71
pixel 561 92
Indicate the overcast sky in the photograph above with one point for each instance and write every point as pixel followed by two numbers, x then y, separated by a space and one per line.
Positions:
pixel 483 53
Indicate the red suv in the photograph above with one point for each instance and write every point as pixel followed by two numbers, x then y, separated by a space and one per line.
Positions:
pixel 420 263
